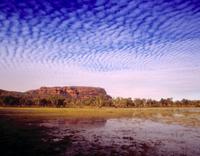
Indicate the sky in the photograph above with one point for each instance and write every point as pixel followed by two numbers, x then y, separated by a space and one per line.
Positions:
pixel 132 48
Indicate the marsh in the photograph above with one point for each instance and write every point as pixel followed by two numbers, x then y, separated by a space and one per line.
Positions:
pixel 51 131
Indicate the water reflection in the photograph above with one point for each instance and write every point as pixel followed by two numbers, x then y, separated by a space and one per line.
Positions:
pixel 75 123
pixel 125 136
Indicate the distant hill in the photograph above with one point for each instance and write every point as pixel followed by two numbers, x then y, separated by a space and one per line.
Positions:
pixel 80 96
pixel 78 92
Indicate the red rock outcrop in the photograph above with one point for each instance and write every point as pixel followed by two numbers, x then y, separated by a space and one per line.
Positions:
pixel 69 91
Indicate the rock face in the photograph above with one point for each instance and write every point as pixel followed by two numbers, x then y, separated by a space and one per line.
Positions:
pixel 67 91
pixel 56 97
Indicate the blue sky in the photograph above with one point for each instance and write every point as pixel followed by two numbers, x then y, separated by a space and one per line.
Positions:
pixel 132 48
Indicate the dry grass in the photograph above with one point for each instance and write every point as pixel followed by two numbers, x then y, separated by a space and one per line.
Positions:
pixel 97 112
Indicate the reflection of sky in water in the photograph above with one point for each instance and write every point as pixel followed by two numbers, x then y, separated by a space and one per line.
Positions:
pixel 130 134
pixel 75 123
pixel 130 47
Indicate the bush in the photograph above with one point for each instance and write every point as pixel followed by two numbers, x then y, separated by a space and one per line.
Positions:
pixel 10 101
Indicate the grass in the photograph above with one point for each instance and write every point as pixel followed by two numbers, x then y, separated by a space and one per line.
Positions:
pixel 17 135
pixel 94 112
pixel 68 112
pixel 81 112
pixel 185 116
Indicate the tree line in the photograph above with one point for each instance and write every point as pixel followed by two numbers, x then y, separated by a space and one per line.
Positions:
pixel 97 101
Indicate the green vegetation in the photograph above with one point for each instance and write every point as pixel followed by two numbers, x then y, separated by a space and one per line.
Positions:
pixel 185 116
pixel 96 101
pixel 92 112
pixel 48 113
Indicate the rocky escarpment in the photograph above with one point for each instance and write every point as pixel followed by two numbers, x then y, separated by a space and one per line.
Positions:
pixel 69 91
pixel 76 92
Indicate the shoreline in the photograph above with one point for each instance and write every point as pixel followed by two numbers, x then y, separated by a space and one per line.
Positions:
pixel 97 112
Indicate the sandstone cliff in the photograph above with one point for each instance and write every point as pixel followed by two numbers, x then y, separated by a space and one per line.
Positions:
pixel 69 91
pixel 77 92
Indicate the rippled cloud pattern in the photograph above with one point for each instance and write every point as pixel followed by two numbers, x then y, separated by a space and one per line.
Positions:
pixel 101 37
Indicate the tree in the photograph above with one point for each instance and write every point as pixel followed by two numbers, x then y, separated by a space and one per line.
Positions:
pixel 116 101
pixel 43 102
pixel 139 102
pixel 10 101
pixel 122 102
pixel 57 101
pixel 185 102
pixel 150 103
pixel 90 101
pixel 130 102
pixel 99 101
pixel 166 102
pixel 25 101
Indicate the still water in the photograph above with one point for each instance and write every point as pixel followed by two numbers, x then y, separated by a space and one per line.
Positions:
pixel 128 136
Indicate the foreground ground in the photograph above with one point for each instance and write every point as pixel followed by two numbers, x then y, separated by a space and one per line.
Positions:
pixel 107 131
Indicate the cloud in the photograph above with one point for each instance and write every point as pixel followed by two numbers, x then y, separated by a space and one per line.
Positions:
pixel 99 37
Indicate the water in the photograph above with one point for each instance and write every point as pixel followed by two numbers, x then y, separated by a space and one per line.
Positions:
pixel 126 136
